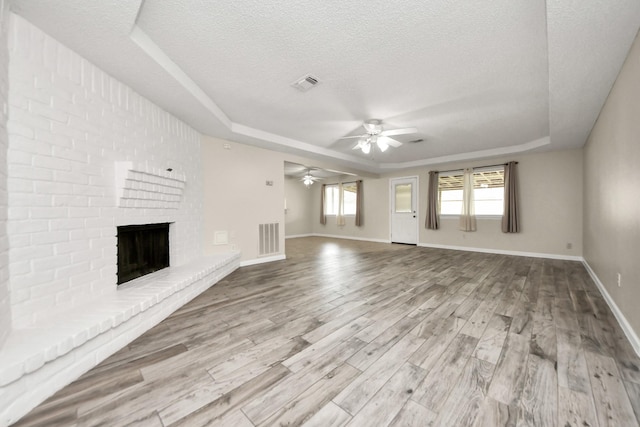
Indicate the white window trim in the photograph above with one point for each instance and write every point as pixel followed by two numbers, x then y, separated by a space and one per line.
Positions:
pixel 490 217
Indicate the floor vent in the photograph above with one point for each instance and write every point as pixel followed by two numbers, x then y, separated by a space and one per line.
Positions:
pixel 269 240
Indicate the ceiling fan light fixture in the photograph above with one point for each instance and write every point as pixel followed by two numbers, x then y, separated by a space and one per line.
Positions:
pixel 373 126
pixel 377 136
pixel 307 180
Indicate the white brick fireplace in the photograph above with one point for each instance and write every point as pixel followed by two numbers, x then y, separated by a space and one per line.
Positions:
pixel 86 154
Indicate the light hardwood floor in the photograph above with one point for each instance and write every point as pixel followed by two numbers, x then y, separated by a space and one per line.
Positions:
pixel 369 334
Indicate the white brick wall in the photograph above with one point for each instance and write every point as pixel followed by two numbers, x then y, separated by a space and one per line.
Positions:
pixel 5 308
pixel 69 127
pixel 69 124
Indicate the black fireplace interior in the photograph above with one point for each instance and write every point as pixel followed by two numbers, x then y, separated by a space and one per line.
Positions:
pixel 142 249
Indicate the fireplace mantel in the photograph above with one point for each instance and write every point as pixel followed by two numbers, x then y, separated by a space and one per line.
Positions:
pixel 140 185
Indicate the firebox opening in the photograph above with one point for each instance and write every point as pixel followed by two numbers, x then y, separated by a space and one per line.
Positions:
pixel 142 249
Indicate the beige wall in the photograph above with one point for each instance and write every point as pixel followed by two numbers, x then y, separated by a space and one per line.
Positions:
pixel 299 207
pixel 611 191
pixel 375 224
pixel 551 208
pixel 236 197
pixel 550 185
pixel 5 303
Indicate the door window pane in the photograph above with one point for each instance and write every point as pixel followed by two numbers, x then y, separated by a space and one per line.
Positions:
pixel 403 198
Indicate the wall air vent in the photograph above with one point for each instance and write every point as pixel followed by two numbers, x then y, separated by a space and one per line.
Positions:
pixel 305 83
pixel 268 239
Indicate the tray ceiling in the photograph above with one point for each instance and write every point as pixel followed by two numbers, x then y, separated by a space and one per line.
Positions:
pixel 476 79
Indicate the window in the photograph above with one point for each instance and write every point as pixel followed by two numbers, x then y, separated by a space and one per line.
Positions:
pixel 332 198
pixel 450 194
pixel 349 198
pixel 488 192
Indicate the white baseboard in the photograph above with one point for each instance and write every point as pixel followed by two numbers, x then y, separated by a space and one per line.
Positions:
pixel 295 236
pixel 455 248
pixel 622 321
pixel 262 260
pixel 363 239
pixel 503 252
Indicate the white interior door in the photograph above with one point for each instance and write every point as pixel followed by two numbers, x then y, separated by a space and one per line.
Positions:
pixel 404 210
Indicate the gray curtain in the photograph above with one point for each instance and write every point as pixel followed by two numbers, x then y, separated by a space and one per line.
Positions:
pixel 510 217
pixel 359 203
pixel 323 217
pixel 433 220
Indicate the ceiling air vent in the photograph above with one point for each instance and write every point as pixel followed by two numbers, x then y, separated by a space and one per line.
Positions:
pixel 305 83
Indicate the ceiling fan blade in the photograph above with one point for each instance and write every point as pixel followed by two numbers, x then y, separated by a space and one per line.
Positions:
pixel 389 141
pixel 354 136
pixel 403 131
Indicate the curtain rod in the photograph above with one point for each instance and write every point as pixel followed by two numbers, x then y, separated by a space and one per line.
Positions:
pixel 345 182
pixel 477 167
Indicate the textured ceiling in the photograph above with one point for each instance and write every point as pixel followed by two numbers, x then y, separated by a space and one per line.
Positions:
pixel 476 79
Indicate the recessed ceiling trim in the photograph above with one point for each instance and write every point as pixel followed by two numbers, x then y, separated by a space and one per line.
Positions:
pixel 139 37
pixel 472 155
pixel 145 43
pixel 157 54
pixel 462 108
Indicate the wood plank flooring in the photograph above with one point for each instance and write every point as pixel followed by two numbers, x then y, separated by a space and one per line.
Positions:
pixel 355 333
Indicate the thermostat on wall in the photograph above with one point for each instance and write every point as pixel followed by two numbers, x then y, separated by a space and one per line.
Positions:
pixel 221 238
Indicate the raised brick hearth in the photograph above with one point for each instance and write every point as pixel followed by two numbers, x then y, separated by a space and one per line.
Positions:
pixel 39 360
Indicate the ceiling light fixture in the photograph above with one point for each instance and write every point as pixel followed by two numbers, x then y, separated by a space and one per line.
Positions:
pixel 366 143
pixel 382 144
pixel 307 180
pixel 375 134
pixel 365 146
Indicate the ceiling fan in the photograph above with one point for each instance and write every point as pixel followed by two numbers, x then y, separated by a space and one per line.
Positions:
pixel 376 135
pixel 309 179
